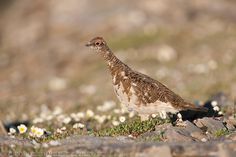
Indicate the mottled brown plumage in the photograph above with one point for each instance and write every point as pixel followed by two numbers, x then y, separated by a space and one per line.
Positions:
pixel 138 91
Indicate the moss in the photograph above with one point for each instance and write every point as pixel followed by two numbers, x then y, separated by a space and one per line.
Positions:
pixel 135 127
pixel 220 133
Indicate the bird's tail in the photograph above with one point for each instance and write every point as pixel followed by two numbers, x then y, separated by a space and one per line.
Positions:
pixel 189 106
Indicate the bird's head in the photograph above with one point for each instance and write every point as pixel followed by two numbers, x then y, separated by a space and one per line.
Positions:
pixel 98 44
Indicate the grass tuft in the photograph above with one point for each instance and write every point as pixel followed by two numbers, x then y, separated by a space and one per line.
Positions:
pixel 135 127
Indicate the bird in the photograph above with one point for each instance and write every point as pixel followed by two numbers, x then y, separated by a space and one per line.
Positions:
pixel 137 91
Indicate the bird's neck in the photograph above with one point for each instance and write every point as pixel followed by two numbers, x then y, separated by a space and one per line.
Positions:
pixel 112 61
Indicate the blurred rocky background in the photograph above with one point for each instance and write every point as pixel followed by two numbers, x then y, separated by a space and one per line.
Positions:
pixel 187 45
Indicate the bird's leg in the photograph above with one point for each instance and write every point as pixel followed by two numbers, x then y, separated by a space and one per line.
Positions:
pixel 144 117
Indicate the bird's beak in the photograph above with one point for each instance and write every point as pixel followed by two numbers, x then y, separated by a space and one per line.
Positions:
pixel 88 44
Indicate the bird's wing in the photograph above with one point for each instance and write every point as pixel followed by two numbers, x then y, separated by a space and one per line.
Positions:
pixel 150 91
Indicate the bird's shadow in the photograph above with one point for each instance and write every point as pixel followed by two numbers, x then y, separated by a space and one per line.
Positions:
pixel 191 115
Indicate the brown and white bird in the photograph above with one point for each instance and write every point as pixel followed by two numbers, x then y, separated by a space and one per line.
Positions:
pixel 137 91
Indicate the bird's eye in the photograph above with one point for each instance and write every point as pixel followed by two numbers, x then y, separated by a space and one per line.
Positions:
pixel 97 43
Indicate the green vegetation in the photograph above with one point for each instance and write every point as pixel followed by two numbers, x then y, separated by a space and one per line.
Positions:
pixel 221 132
pixel 135 127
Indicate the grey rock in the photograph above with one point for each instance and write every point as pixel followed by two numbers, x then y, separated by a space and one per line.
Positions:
pixel 111 146
pixel 6 140
pixel 176 134
pixel 151 151
pixel 211 124
pixel 194 131
pixel 191 127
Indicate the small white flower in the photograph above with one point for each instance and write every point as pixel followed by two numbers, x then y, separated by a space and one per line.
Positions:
pixel 89 113
pixel 122 119
pixel 59 131
pixel 154 115
pixel 75 117
pixel 216 108
pixel 78 125
pixel 22 128
pixel 115 123
pixel 203 139
pixel 80 115
pixel 12 145
pixel 123 110
pixel 66 120
pixel 100 119
pixel 32 131
pixel 107 105
pixel 117 111
pixel 88 89
pixel 220 113
pixel 63 128
pixel 57 84
pixel 36 132
pixel 49 117
pixel 166 53
pixel 54 143
pixel 38 120
pixel 109 117
pixel 214 103
pixel 39 132
pixel 130 136
pixel 12 131
pixel 57 111
pixel 131 114
pixel 61 117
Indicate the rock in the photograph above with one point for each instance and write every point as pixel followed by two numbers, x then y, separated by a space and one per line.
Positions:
pixel 109 146
pixel 212 125
pixel 232 136
pixel 230 125
pixel 2 129
pixel 176 134
pixel 161 151
pixel 194 131
pixel 6 140
pixel 162 127
pixel 224 151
